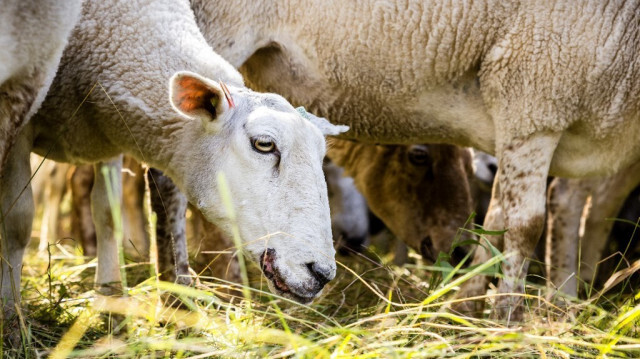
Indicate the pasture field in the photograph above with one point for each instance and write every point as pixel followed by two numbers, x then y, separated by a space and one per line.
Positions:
pixel 371 310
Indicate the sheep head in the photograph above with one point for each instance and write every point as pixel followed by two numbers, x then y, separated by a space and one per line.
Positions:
pixel 271 157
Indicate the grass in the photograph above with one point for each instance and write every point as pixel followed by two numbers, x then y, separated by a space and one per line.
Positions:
pixel 371 310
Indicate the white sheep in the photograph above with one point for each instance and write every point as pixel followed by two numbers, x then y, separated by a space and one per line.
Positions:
pixel 548 87
pixel 121 56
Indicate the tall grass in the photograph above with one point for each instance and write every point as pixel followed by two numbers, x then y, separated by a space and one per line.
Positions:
pixel 369 310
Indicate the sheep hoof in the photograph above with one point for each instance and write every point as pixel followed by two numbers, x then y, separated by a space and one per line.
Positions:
pixel 185 280
pixel 109 289
pixel 12 333
pixel 509 309
pixel 470 308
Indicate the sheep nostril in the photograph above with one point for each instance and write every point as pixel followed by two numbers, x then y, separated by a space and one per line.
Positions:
pixel 320 273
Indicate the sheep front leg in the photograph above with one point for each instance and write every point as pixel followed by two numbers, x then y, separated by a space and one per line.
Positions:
pixel 17 217
pixel 170 206
pixel 566 202
pixel 81 221
pixel 477 286
pixel 108 278
pixel 524 166
pixel 607 200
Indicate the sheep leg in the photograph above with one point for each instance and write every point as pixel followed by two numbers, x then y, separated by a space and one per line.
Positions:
pixel 170 206
pixel 477 286
pixel 524 166
pixel 17 217
pixel 108 278
pixel 566 202
pixel 606 202
pixel 135 225
pixel 81 221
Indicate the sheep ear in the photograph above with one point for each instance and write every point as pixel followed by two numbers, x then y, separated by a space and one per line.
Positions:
pixel 197 97
pixel 326 127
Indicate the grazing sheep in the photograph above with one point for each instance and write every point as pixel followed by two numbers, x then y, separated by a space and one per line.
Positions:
pixel 568 205
pixel 421 192
pixel 121 57
pixel 32 37
pixel 349 218
pixel 412 197
pixel 549 87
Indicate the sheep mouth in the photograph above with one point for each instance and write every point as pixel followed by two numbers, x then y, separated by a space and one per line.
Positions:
pixel 270 271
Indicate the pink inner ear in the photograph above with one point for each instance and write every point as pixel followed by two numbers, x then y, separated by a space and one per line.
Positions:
pixel 190 94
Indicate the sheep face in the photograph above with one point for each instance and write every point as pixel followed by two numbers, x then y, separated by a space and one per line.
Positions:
pixel 421 192
pixel 271 157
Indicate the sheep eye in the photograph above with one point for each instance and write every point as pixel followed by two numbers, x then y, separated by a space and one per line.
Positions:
pixel 419 155
pixel 263 145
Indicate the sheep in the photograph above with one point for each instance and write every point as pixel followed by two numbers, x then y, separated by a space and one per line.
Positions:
pixel 568 206
pixel 349 216
pixel 547 87
pixel 32 37
pixel 450 175
pixel 420 192
pixel 121 56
